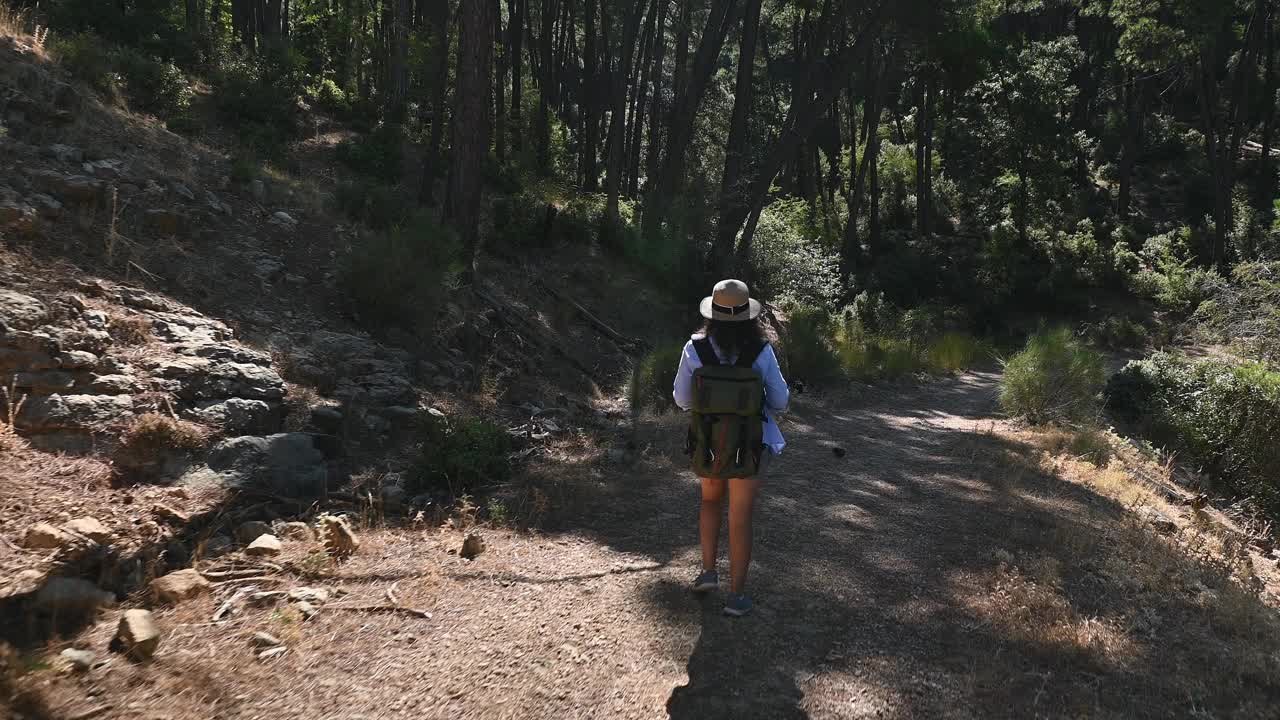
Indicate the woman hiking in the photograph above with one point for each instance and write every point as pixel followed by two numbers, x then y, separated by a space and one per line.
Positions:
pixel 729 378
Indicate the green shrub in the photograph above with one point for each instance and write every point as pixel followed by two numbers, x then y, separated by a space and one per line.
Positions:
pixel 955 352
pixel 1119 332
pixel 462 454
pixel 1245 313
pixel 152 86
pixel 262 93
pixel 1225 416
pixel 89 60
pixel 377 154
pixel 807 348
pixel 787 263
pixel 654 378
pixel 1056 378
pixel 244 169
pixel 378 206
pixel 326 94
pixel 399 277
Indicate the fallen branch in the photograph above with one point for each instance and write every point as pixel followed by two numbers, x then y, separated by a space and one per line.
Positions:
pixel 229 606
pixel 238 574
pixel 594 321
pixel 382 608
pixel 516 322
pixel 90 713
pixel 255 578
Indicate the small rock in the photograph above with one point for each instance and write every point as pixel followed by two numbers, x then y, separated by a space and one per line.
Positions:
pixel 307 609
pixel 76 360
pixel 313 595
pixel 183 192
pixel 43 536
pixel 90 528
pixel 169 514
pixel 249 531
pixel 77 660
pixel 178 586
pixel 264 546
pixel 138 634
pixel 71 595
pixel 264 639
pixel 217 545
pixel 271 653
pixel 283 219
pixel 472 546
pixel 296 531
pixel 267 597
pixel 617 456
pixel 46 206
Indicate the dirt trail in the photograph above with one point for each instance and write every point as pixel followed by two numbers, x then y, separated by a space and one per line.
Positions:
pixel 873 577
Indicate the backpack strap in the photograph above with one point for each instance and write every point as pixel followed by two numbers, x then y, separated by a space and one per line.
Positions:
pixel 706 352
pixel 748 356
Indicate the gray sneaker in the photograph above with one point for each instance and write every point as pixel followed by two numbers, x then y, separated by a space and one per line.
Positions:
pixel 706 582
pixel 737 604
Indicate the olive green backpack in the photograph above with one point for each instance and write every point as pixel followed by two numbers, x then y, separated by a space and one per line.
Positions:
pixel 726 433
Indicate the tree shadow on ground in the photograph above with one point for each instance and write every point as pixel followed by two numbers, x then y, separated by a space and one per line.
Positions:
pixel 942 570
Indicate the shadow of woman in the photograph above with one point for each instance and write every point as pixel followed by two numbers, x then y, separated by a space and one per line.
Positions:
pixel 735 671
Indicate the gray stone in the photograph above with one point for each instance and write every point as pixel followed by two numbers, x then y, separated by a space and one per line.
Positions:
pixel 43 536
pixel 89 527
pixel 179 586
pixel 296 531
pixel 183 191
pixel 64 153
pixel 138 298
pixel 217 545
pixel 283 219
pixel 19 218
pixel 263 639
pixel 71 595
pixel 249 531
pixel 115 384
pixel 70 412
pixel 77 660
pixel 46 206
pixel 138 634
pixel 264 546
pixel 95 319
pixel 233 415
pixel 326 419
pixel 20 312
pixel 76 360
pixel 313 595
pixel 44 383
pixel 25 361
pixel 288 464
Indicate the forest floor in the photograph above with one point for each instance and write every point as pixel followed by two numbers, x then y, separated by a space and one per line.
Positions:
pixel 948 566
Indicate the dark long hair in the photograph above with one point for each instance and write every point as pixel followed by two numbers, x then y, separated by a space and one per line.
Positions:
pixel 732 336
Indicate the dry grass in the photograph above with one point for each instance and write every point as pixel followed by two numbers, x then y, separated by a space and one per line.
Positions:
pixel 9 410
pixel 16 22
pixel 1089 444
pixel 130 329
pixel 1114 593
pixel 151 437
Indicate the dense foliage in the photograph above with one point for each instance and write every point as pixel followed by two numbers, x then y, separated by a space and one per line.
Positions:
pixel 1220 414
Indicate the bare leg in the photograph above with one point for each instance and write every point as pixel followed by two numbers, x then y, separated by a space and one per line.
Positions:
pixel 709 520
pixel 742 499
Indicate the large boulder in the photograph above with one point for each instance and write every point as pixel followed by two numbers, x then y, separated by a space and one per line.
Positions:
pixel 74 412
pixel 289 464
pixel 71 595
pixel 19 312
pixel 234 415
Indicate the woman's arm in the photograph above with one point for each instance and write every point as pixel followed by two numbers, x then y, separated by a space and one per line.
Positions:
pixel 683 391
pixel 776 393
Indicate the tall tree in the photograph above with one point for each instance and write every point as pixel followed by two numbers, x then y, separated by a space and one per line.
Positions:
pixel 733 185
pixel 470 124
pixel 617 110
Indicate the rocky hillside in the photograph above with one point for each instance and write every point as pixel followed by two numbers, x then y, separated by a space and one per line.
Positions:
pixel 184 374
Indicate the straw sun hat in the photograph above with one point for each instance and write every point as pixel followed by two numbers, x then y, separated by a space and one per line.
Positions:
pixel 730 301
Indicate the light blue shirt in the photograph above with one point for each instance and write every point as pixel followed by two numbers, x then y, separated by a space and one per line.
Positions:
pixel 776 392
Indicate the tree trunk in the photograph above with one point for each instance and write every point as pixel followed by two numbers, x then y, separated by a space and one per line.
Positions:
pixel 590 99
pixel 434 160
pixel 500 85
pixel 515 28
pixel 733 184
pixel 398 76
pixel 654 157
pixel 546 85
pixel 637 116
pixel 801 119
pixel 1269 95
pixel 683 114
pixel 617 114
pixel 680 74
pixel 470 125
pixel 1129 153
